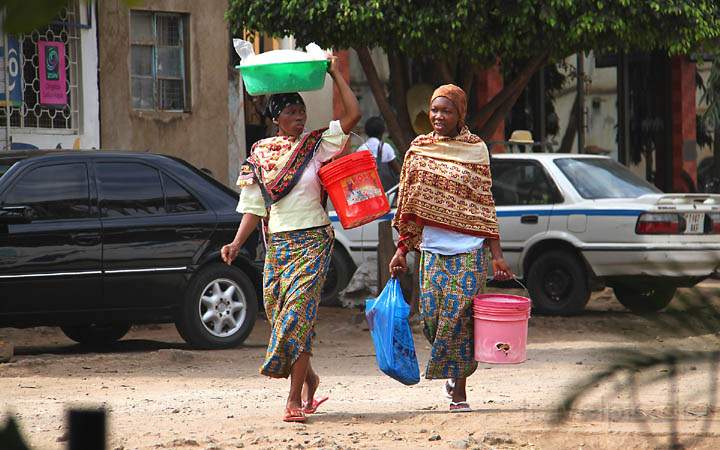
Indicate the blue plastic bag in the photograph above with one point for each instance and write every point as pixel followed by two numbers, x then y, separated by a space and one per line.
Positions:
pixel 387 317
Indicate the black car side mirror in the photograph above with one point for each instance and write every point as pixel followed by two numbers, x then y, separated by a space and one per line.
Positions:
pixel 15 215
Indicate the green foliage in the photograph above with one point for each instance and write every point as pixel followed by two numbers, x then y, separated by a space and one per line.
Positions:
pixel 479 31
pixel 23 16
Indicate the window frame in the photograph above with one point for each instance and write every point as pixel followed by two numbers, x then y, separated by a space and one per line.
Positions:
pixel 184 45
pixel 34 117
pixel 100 198
pixel 93 210
pixel 556 194
pixel 163 175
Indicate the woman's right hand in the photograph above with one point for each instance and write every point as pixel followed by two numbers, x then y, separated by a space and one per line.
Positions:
pixel 229 252
pixel 398 263
pixel 332 63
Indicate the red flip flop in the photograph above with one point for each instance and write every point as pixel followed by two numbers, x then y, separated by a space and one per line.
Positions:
pixel 294 415
pixel 312 409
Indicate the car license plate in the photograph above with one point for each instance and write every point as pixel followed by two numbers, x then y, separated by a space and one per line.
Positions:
pixel 694 223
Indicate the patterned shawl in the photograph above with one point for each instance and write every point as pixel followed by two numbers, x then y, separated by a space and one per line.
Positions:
pixel 277 164
pixel 445 182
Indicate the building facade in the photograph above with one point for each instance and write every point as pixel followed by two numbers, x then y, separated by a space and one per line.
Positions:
pixel 639 109
pixel 164 80
pixel 49 95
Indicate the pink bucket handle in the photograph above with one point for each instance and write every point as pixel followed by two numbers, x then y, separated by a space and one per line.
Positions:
pixel 522 285
pixel 527 291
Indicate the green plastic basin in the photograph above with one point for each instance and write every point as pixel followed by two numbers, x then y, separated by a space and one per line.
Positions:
pixel 284 77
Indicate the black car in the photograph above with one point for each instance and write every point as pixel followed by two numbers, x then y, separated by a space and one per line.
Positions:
pixel 94 241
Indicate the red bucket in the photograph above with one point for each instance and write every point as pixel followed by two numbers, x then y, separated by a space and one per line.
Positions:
pixel 354 187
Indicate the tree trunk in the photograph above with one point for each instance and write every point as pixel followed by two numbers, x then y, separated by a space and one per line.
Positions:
pixel 509 98
pixel 446 76
pixel 510 89
pixel 399 88
pixel 716 152
pixel 401 140
pixel 571 131
pixel 468 78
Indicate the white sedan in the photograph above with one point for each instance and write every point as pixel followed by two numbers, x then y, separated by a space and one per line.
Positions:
pixel 573 223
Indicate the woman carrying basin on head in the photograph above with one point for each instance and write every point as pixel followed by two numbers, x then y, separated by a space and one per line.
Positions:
pixel 280 185
pixel 446 212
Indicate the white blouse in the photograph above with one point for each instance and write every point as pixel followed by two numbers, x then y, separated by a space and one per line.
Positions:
pixel 447 242
pixel 301 207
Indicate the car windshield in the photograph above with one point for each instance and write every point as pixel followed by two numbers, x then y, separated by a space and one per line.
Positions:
pixel 603 178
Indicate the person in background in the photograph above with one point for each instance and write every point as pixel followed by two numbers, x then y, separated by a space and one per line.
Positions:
pixel 387 163
pixel 280 185
pixel 446 212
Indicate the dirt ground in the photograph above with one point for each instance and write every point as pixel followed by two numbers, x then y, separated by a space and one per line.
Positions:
pixel 162 395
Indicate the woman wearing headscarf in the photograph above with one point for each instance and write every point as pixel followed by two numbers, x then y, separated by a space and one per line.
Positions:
pixel 446 212
pixel 280 185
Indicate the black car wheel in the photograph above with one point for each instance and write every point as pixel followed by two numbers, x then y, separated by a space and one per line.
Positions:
pixel 219 309
pixel 95 334
pixel 644 300
pixel 558 283
pixel 339 275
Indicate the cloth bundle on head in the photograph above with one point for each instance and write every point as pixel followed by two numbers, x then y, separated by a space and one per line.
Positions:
pixel 278 102
pixel 457 96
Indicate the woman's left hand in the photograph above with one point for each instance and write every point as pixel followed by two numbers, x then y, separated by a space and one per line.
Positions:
pixel 501 270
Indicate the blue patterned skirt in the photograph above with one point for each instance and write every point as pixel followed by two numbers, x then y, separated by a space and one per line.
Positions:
pixel 447 287
pixel 296 264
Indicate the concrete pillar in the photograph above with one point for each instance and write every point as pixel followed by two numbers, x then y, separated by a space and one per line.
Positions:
pixel 683 112
pixel 487 84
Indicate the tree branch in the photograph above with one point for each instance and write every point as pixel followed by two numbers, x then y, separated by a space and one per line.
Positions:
pixel 399 90
pixel 571 130
pixel 468 79
pixel 401 140
pixel 443 68
pixel 509 96
pixel 510 89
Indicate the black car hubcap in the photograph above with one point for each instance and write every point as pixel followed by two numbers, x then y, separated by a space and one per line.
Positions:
pixel 557 284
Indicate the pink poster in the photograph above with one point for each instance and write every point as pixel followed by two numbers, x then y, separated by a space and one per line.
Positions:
pixel 52 73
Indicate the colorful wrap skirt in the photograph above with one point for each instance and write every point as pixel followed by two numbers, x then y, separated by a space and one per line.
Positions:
pixel 447 287
pixel 296 264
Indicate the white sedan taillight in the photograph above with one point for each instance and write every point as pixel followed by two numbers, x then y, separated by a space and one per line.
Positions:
pixel 714 222
pixel 659 223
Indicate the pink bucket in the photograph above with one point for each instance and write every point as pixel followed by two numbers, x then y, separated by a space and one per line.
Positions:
pixel 501 327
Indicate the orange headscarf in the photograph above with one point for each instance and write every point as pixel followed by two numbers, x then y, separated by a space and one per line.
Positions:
pixel 455 95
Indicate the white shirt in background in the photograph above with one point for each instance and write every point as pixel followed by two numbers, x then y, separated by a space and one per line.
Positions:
pixel 388 153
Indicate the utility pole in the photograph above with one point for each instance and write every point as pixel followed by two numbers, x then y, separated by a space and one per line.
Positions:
pixel 5 86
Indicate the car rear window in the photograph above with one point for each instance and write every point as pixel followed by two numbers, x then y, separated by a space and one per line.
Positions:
pixel 596 178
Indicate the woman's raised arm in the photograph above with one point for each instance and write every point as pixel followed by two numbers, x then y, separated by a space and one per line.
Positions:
pixel 349 101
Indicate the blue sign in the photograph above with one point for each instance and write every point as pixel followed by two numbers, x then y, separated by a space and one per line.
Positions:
pixel 14 72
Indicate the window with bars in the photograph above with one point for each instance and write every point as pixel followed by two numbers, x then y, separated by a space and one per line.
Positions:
pixel 158 62
pixel 30 113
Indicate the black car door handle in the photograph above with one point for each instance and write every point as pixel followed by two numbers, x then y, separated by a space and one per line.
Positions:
pixel 86 239
pixel 529 219
pixel 190 232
